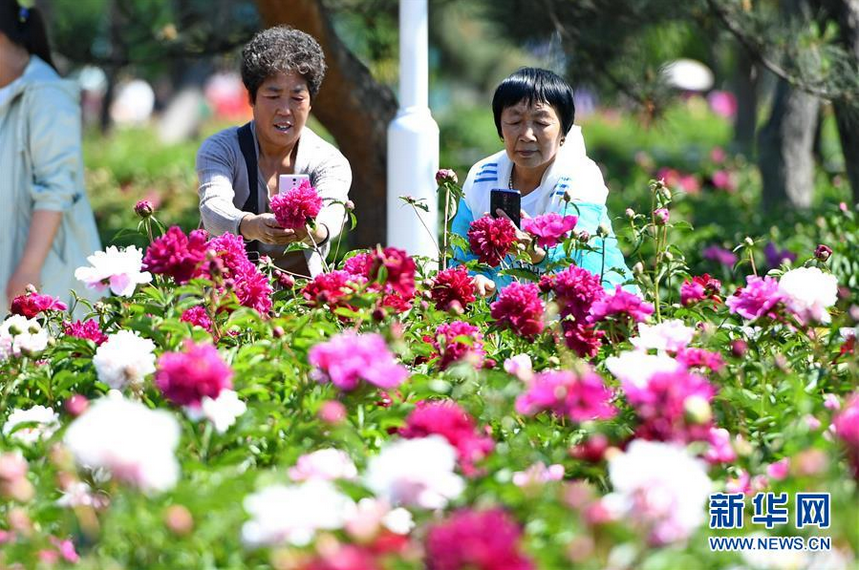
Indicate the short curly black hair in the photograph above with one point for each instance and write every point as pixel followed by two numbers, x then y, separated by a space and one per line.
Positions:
pixel 282 49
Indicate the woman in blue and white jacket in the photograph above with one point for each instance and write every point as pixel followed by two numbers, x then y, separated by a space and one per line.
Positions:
pixel 544 159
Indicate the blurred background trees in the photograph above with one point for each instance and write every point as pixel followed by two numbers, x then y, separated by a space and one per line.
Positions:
pixel 780 85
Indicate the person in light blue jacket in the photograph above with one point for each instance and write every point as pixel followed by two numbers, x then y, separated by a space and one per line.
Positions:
pixel 47 223
pixel 544 159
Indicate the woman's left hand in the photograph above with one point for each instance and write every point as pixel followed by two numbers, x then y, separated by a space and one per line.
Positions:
pixel 17 284
pixel 536 252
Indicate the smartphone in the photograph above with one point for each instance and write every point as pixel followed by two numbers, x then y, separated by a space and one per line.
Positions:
pixel 508 201
pixel 287 182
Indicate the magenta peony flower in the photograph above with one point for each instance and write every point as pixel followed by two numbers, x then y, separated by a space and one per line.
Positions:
pixel 549 229
pixel 230 250
pixel 333 289
pixel 576 290
pixel 452 350
pixel 478 540
pixel 177 255
pixel 31 304
pixel 520 309
pixel 197 316
pixel 620 303
pixel 720 449
pixel 361 264
pixel 724 180
pixel 846 427
pixel 447 419
pixel 186 377
pixel 701 287
pixel 759 298
pixel 720 255
pixel 579 397
pixel 295 207
pixel 88 329
pixel 452 284
pixel 399 270
pixel 348 358
pixel 582 338
pixel 701 358
pixel 491 239
pixel 253 289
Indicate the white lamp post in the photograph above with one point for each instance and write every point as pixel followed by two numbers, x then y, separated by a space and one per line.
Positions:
pixel 413 141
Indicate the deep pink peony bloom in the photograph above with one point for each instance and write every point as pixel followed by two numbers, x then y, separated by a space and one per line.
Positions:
pixel 701 287
pixel 296 206
pixel 452 284
pixel 230 250
pixel 178 255
pixel 759 298
pixel 549 229
pixel 333 289
pixel 448 419
pixel 399 269
pixel 88 329
pixel 186 377
pixel 579 397
pixel 520 309
pixel 197 316
pixel 699 357
pixel 491 239
pixel 720 255
pixel 478 540
pixel 582 338
pixel 720 449
pixel 348 358
pixel 31 304
pixel 576 290
pixel 361 264
pixel 662 405
pixel 253 289
pixel 846 427
pixel 452 350
pixel 621 303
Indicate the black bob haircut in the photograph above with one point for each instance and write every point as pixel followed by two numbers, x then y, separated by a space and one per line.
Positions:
pixel 535 85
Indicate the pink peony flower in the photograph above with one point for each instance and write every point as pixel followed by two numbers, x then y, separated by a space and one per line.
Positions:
pixel 31 304
pixel 399 270
pixel 584 339
pixel 620 303
pixel 186 377
pixel 701 358
pixel 723 180
pixel 491 239
pixel 846 423
pixel 197 316
pixel 580 397
pixel 520 309
pixel 723 103
pixel 576 290
pixel 779 470
pixel 253 289
pixel 88 329
pixel 297 206
pixel 326 464
pixel 452 284
pixel 549 229
pixel 348 358
pixel 538 474
pixel 230 250
pixel 759 298
pixel 720 255
pixel 720 450
pixel 478 540
pixel 178 255
pixel 452 350
pixel 332 289
pixel 361 264
pixel 701 287
pixel 447 419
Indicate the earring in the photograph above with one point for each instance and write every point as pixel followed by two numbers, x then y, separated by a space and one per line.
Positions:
pixel 562 141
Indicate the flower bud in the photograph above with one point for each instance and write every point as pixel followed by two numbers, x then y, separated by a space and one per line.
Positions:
pixel 661 216
pixel 379 314
pixel 603 230
pixel 697 410
pixel 144 208
pixel 332 412
pixel 630 213
pixel 638 268
pixel 739 347
pixel 583 236
pixel 277 331
pixel 285 280
pixel 668 256
pixel 749 241
pixel 350 205
pixel 822 252
pixel 455 308
pixel 178 520
pixel 76 405
pixel 446 175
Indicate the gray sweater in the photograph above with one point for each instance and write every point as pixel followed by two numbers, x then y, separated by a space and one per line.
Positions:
pixel 223 190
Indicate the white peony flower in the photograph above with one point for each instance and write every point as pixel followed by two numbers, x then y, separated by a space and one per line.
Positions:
pixel 636 367
pixel 20 335
pixel 48 422
pixel 671 335
pixel 114 268
pixel 327 464
pixel 662 485
pixel 809 292
pixel 222 411
pixel 135 444
pixel 520 366
pixel 125 358
pixel 415 472
pixel 372 514
pixel 80 494
pixel 294 513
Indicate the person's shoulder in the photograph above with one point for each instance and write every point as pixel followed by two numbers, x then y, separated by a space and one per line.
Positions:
pixel 42 84
pixel 320 149
pixel 484 172
pixel 222 143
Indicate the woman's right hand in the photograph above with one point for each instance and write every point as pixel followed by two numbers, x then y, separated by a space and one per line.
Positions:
pixel 265 229
pixel 484 285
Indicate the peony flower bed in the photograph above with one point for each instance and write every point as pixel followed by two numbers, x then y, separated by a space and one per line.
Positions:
pixel 216 413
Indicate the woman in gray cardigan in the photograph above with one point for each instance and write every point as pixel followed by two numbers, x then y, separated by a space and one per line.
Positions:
pixel 282 69
pixel 46 221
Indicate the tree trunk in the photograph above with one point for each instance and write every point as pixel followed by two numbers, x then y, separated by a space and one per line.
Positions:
pixel 786 142
pixel 745 82
pixel 847 112
pixel 353 107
